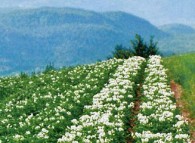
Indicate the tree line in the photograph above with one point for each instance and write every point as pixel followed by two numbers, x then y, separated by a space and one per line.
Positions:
pixel 138 48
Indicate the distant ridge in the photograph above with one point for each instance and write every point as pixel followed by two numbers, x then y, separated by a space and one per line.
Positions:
pixel 177 29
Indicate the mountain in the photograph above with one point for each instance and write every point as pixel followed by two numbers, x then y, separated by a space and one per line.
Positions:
pixel 158 12
pixel 180 39
pixel 177 29
pixel 32 38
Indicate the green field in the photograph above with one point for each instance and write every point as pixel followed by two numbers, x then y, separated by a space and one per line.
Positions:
pixel 112 101
pixel 182 70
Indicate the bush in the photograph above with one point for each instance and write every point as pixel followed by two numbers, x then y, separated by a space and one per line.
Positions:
pixel 138 48
pixel 49 67
pixel 122 52
pixel 23 75
pixel 141 48
pixel 152 48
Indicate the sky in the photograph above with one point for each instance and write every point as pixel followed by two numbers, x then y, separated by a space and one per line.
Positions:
pixel 158 12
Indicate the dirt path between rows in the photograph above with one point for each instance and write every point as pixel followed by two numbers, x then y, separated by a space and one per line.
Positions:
pixel 177 89
pixel 135 111
pixel 137 102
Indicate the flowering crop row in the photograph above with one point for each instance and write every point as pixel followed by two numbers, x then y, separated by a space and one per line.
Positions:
pixel 104 120
pixel 91 103
pixel 41 110
pixel 158 120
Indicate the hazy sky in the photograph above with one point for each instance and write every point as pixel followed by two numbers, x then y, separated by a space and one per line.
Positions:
pixel 157 12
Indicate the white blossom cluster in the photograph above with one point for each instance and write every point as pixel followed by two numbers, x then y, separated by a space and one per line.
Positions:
pixel 51 102
pixel 158 120
pixel 103 120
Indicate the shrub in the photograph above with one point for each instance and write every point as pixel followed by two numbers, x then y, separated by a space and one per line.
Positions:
pixel 143 49
pixel 138 48
pixel 122 52
pixel 49 67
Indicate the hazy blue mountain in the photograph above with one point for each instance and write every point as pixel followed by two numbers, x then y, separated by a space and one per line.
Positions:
pixel 158 12
pixel 177 44
pixel 181 39
pixel 32 38
pixel 177 29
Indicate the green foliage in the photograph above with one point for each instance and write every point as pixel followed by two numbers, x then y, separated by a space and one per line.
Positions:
pixel 141 48
pixel 182 69
pixel 46 99
pixel 122 52
pixel 23 75
pixel 43 107
pixel 49 67
pixel 138 48
pixel 152 47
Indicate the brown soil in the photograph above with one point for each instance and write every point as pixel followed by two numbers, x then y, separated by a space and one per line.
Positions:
pixel 177 89
pixel 134 112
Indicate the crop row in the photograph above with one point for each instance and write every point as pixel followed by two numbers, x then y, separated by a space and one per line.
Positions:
pixel 105 119
pixel 44 106
pixel 159 120
pixel 92 103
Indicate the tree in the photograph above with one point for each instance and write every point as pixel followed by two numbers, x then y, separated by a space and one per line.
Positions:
pixel 152 48
pixel 138 48
pixel 122 52
pixel 141 48
pixel 49 67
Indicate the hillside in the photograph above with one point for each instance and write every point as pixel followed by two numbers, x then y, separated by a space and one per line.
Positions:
pixel 92 103
pixel 32 38
pixel 159 13
pixel 181 69
pixel 180 39
pixel 178 44
pixel 177 29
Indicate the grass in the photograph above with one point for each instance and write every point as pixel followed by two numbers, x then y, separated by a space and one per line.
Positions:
pixel 182 70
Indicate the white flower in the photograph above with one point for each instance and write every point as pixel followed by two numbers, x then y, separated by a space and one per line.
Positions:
pixel 182 136
pixel 18 137
pixel 27 133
